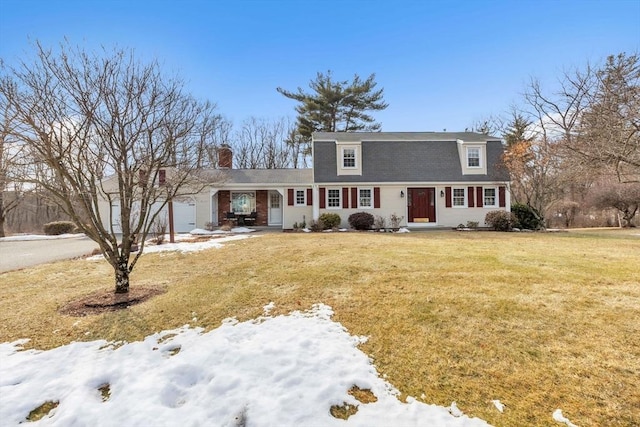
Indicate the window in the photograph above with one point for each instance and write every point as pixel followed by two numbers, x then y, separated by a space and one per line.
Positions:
pixel 333 198
pixel 365 198
pixel 490 197
pixel 301 197
pixel 473 157
pixel 275 200
pixel 243 202
pixel 459 197
pixel 349 158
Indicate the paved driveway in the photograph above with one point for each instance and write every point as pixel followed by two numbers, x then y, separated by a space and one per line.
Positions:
pixel 19 254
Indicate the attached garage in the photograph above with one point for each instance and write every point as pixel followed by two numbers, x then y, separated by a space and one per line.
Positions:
pixel 184 215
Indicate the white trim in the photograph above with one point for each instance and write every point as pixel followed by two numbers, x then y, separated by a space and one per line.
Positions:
pixel 371 196
pixel 341 169
pixel 453 197
pixel 343 157
pixel 295 197
pixel 327 190
pixel 480 159
pixel 496 202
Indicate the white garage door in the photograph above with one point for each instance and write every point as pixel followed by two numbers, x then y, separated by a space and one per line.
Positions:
pixel 184 215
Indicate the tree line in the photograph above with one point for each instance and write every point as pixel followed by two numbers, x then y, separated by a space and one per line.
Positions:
pixel 576 147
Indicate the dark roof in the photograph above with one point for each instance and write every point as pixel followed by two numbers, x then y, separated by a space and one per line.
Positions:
pixel 402 136
pixel 406 157
pixel 264 176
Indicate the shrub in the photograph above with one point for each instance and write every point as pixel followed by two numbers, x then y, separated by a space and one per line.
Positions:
pixel 209 226
pixel 317 226
pixel 395 220
pixel 361 220
pixel 330 220
pixel 526 217
pixel 59 227
pixel 379 223
pixel 472 224
pixel 159 229
pixel 500 220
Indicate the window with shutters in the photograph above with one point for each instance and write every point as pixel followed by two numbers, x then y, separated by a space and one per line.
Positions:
pixel 365 198
pixel 459 198
pixel 333 198
pixel 490 200
pixel 301 197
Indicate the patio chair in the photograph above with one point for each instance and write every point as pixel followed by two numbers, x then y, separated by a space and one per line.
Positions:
pixel 251 219
pixel 230 217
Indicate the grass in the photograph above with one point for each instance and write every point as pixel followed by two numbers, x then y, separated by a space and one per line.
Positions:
pixel 538 321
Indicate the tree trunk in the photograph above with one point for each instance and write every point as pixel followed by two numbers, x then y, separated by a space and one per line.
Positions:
pixel 122 277
pixel 2 225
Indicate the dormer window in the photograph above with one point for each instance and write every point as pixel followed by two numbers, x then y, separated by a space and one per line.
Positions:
pixel 473 157
pixel 348 158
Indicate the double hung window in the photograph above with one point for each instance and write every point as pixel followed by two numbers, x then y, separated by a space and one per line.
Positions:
pixel 333 198
pixel 473 157
pixel 348 158
pixel 365 198
pixel 490 199
pixel 459 197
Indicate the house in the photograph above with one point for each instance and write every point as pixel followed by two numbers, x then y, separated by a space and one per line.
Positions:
pixel 426 178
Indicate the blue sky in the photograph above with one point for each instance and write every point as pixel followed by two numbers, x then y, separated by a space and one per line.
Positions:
pixel 442 64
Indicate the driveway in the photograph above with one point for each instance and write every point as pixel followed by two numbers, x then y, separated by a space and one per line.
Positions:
pixel 17 254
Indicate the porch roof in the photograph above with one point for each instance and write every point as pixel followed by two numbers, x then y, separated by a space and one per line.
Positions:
pixel 267 176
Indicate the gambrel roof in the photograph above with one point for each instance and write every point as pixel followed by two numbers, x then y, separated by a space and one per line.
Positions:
pixel 405 157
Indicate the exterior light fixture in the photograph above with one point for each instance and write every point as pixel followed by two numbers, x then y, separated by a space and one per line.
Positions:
pixel 441 193
pixel 401 193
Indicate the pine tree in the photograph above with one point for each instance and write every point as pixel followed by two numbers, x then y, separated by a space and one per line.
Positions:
pixel 337 106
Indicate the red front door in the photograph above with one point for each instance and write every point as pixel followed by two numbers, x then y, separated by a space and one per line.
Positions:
pixel 421 204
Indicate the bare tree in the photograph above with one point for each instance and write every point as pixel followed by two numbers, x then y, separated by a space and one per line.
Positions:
pixel 625 197
pixel 608 140
pixel 263 144
pixel 492 125
pixel 213 132
pixel 106 127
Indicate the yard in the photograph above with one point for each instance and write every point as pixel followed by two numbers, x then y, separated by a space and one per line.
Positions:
pixel 537 321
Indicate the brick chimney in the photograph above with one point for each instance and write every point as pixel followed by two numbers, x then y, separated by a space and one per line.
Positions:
pixel 225 157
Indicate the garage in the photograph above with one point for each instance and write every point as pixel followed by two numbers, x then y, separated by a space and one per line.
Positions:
pixel 184 215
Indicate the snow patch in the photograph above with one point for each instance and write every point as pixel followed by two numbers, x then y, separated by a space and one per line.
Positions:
pixel 499 405
pixel 26 237
pixel 286 371
pixel 557 416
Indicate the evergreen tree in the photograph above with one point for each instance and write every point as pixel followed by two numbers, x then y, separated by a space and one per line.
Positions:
pixel 518 130
pixel 337 106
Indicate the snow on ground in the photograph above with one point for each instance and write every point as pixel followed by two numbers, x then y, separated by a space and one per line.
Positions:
pixel 235 230
pixel 286 371
pixel 25 237
pixel 557 416
pixel 183 242
pixel 191 246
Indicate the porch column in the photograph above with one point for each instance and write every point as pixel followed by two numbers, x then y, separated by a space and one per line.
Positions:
pixel 316 202
pixel 213 192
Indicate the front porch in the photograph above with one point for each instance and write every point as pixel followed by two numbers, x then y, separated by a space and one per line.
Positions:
pixel 247 207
